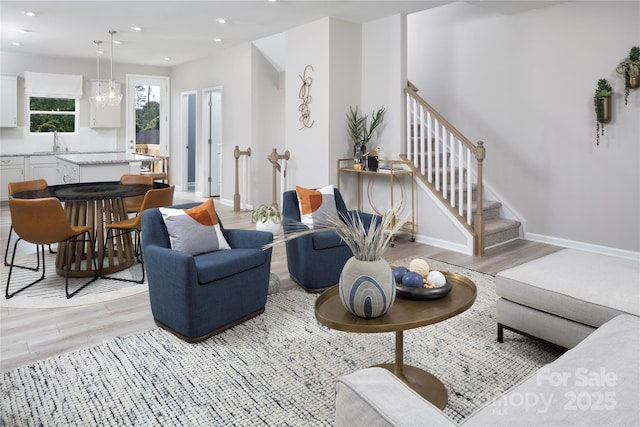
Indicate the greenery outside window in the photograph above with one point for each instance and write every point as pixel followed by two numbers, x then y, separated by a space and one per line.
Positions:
pixel 47 115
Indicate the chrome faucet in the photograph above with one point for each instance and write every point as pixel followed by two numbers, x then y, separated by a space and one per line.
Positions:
pixel 55 141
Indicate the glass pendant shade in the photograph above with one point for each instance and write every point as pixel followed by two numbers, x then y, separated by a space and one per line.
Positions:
pixel 112 96
pixel 98 98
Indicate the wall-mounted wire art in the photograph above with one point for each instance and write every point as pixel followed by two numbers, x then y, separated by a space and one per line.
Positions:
pixel 305 96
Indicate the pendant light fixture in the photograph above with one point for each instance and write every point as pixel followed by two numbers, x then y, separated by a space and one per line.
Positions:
pixel 98 97
pixel 113 95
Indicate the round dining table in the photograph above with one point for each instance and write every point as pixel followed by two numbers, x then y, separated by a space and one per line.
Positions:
pixel 95 204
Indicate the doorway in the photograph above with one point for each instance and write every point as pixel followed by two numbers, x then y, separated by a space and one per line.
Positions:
pixel 211 140
pixel 148 112
pixel 189 138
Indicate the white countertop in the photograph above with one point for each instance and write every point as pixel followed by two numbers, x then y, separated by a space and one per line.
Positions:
pixel 101 158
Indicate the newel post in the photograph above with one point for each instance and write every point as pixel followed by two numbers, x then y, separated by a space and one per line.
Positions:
pixel 274 158
pixel 479 217
pixel 236 197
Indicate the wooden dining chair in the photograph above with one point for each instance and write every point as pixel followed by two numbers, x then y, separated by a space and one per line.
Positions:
pixel 155 198
pixel 133 203
pixel 43 222
pixel 18 187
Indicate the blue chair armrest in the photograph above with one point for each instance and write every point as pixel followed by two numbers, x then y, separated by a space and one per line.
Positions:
pixel 247 239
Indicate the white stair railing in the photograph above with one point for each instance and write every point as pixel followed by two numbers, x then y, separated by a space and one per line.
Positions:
pixel 444 158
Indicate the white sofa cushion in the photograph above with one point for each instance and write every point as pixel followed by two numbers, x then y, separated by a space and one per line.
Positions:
pixel 581 286
pixel 597 383
pixel 374 397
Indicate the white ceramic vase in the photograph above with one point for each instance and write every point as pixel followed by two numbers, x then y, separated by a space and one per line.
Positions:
pixel 367 288
pixel 268 226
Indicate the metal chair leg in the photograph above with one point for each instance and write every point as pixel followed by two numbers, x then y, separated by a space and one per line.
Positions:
pixel 66 265
pixel 137 250
pixel 39 250
pixel 6 253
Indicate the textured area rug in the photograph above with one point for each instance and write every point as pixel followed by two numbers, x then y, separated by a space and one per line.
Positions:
pixel 49 293
pixel 279 368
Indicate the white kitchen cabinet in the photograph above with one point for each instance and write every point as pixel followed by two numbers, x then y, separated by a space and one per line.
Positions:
pixel 104 117
pixel 11 170
pixel 8 101
pixel 44 167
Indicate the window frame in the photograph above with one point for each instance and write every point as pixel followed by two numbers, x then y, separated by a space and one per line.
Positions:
pixel 75 113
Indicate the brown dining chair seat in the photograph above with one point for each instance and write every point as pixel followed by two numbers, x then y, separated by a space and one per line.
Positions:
pixel 133 203
pixel 43 222
pixel 155 198
pixel 19 187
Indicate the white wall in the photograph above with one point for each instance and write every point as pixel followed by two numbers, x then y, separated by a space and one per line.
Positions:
pixel 17 140
pixel 524 84
pixel 384 77
pixel 346 64
pixel 230 70
pixel 308 45
pixel 267 107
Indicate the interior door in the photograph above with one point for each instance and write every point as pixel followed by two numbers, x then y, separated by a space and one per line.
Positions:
pixel 212 124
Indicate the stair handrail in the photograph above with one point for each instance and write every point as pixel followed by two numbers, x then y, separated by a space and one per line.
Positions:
pixel 236 197
pixel 275 158
pixel 416 152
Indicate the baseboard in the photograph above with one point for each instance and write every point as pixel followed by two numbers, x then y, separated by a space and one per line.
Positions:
pixel 444 244
pixel 589 247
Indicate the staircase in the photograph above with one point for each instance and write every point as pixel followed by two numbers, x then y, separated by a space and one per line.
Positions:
pixel 450 167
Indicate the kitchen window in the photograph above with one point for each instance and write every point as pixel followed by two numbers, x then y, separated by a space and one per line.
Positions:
pixel 47 115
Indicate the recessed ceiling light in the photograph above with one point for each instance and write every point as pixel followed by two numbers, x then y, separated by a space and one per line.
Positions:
pixel 221 21
pixel 16 44
pixel 166 58
pixel 136 28
pixel 31 14
pixel 217 40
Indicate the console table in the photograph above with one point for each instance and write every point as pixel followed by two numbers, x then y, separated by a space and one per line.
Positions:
pixel 393 170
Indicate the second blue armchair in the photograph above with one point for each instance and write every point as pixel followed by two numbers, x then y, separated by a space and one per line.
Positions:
pixel 315 261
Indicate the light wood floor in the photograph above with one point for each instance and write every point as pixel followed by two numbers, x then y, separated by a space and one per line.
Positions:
pixel 28 335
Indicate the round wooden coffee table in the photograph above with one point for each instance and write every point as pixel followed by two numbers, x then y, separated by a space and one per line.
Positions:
pixel 404 314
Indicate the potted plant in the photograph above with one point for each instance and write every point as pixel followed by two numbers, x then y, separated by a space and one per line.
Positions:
pixel 360 132
pixel 267 218
pixel 602 103
pixel 629 69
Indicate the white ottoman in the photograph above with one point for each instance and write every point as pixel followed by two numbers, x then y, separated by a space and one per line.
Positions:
pixel 564 296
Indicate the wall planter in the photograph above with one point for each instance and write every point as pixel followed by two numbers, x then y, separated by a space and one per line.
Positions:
pixel 629 69
pixel 602 104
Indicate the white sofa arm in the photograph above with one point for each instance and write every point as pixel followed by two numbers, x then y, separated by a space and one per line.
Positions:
pixel 375 397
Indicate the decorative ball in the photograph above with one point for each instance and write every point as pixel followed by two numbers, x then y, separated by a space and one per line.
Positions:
pixel 412 279
pixel 437 278
pixel 398 272
pixel 420 266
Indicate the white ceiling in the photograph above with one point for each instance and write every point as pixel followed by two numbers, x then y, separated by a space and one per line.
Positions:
pixel 184 30
pixel 181 30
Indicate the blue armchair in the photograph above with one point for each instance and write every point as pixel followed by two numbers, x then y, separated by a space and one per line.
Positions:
pixel 198 296
pixel 315 261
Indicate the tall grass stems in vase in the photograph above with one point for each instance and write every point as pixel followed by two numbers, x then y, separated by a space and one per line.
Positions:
pixel 367 243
